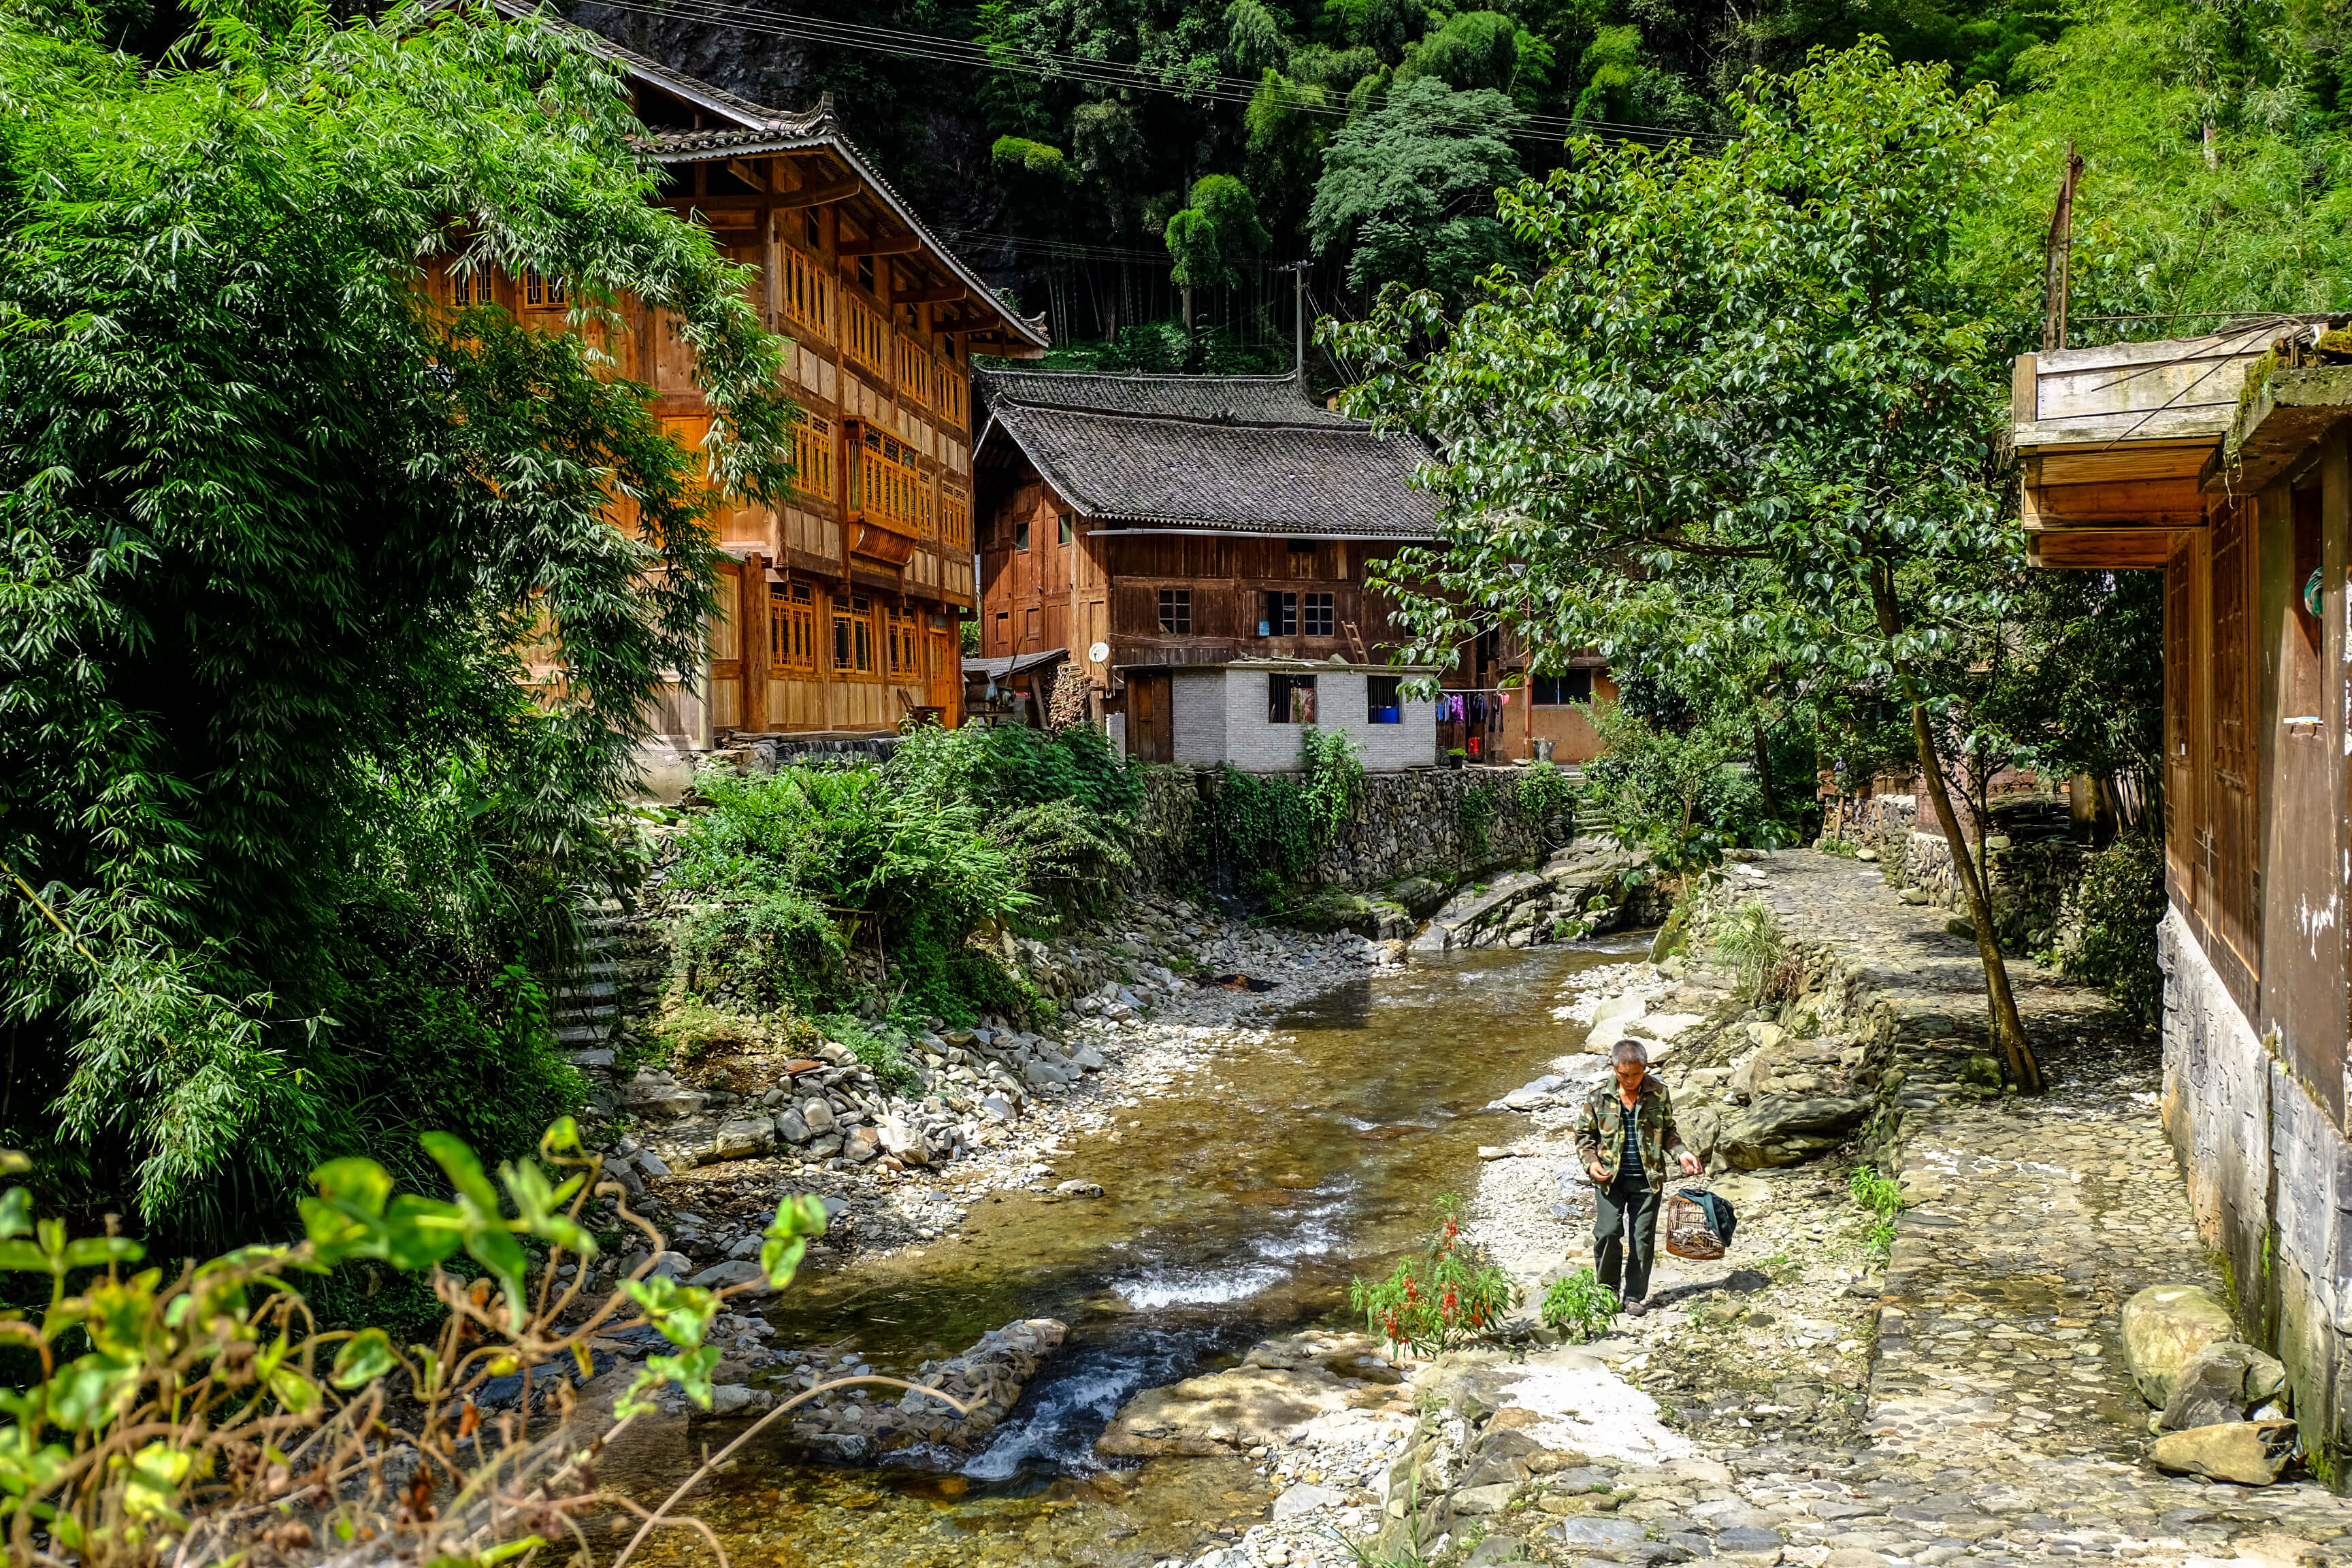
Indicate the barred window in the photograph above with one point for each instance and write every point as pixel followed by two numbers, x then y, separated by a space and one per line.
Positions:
pixel 1176 610
pixel 1319 615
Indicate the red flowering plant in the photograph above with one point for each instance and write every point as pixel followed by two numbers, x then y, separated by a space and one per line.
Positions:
pixel 1451 1292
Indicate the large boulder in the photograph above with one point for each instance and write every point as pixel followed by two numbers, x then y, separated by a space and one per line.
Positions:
pixel 2250 1452
pixel 1281 1385
pixel 2220 1384
pixel 1782 1131
pixel 2164 1326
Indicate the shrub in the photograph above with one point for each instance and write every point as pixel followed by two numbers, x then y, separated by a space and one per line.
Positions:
pixel 1333 781
pixel 1542 795
pixel 201 1415
pixel 1883 1199
pixel 1580 1306
pixel 1750 941
pixel 1451 1292
pixel 1677 793
pixel 1476 814
pixel 881 1050
pixel 2108 932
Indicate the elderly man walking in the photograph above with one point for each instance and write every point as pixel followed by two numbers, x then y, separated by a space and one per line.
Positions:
pixel 1625 1135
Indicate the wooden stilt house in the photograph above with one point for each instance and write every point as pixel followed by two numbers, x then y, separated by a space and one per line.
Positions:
pixel 842 607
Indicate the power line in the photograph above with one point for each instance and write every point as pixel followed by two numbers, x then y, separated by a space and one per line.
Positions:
pixel 1548 130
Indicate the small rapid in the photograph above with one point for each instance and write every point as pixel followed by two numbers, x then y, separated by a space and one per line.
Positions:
pixel 1239 1203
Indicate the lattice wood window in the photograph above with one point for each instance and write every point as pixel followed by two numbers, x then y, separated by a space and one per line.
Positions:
pixel 954 403
pixel 853 636
pixel 813 470
pixel 791 629
pixel 905 647
pixel 887 488
pixel 543 293
pixel 866 337
pixel 955 519
pixel 473 288
pixel 914 371
pixel 2232 733
pixel 2179 654
pixel 808 293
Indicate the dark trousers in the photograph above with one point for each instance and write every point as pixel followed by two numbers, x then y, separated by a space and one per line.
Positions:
pixel 1625 1237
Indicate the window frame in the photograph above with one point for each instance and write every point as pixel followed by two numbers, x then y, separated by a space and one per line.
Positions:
pixel 1551 690
pixel 1377 687
pixel 1176 611
pixel 1283 684
pixel 1280 617
pixel 1312 604
pixel 1021 537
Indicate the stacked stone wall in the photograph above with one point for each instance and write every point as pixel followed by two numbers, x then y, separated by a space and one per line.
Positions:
pixel 2270 1182
pixel 1420 824
pixel 2032 882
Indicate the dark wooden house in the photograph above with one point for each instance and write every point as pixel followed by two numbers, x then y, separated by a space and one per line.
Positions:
pixel 2225 463
pixel 1150 524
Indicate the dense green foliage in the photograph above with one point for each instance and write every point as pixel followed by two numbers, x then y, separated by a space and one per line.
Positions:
pixel 1676 792
pixel 274 540
pixel 2107 932
pixel 1263 831
pixel 1744 401
pixel 794 872
pixel 157 1426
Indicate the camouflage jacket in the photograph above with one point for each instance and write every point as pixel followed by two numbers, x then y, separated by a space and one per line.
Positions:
pixel 1601 1132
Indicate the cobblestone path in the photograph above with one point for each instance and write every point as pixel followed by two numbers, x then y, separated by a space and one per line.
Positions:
pixel 2000 1380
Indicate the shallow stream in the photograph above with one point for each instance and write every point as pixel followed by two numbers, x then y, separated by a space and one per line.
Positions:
pixel 1238 1205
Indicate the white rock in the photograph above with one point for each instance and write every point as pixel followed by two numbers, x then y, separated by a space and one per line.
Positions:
pixel 1304 1499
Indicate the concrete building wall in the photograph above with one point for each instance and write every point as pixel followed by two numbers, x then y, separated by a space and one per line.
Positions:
pixel 2269 1181
pixel 1196 712
pixel 1225 716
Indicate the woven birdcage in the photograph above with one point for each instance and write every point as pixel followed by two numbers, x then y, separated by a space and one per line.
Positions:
pixel 1688 1234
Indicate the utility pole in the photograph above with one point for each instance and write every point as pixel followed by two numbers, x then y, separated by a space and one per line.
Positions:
pixel 1297 270
pixel 2059 254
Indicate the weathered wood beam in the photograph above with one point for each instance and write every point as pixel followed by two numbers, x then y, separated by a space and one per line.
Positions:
pixel 881 245
pixel 751 176
pixel 821 196
pixel 946 295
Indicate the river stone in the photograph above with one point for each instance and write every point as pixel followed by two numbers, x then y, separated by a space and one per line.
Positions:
pixel 2164 1326
pixel 996 1108
pixel 1781 1129
pixel 1041 1072
pixel 862 1144
pixel 742 1138
pixel 739 1271
pixel 902 1143
pixel 1600 1532
pixel 793 1128
pixel 1224 1412
pixel 1489 1499
pixel 657 1094
pixel 1088 1059
pixel 2219 1383
pixel 1619 1007
pixel 1304 1499
pixel 817 1112
pixel 2251 1453
pixel 823 1148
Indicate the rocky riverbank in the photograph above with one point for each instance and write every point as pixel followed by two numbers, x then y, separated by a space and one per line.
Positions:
pixel 1971 1395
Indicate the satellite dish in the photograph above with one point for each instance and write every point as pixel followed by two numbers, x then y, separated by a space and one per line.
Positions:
pixel 1098 653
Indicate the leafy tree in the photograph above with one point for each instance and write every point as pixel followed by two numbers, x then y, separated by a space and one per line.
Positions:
pixel 1208 236
pixel 275 537
pixel 1675 791
pixel 1758 356
pixel 1482 49
pixel 1408 188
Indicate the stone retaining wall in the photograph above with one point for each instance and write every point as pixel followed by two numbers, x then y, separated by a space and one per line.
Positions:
pixel 2269 1182
pixel 2032 882
pixel 1440 822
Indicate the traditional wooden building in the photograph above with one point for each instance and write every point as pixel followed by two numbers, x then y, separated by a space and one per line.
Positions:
pixel 841 607
pixel 1157 525
pixel 2225 462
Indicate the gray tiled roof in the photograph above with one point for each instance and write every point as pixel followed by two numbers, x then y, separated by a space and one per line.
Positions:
pixel 1335 477
pixel 1242 399
pixel 764 130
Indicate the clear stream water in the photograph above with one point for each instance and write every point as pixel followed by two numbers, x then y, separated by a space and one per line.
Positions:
pixel 1238 1205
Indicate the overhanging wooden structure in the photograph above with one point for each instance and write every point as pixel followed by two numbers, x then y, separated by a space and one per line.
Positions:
pixel 2114 443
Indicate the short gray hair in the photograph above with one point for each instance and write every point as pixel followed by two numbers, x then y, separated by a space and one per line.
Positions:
pixel 1631 1050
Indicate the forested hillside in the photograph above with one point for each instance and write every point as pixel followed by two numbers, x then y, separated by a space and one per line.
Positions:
pixel 1058 139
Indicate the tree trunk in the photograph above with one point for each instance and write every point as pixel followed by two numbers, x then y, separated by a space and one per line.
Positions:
pixel 2008 1029
pixel 1764 774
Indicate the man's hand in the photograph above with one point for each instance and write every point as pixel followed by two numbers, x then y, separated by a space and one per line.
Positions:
pixel 1599 1172
pixel 1690 1164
